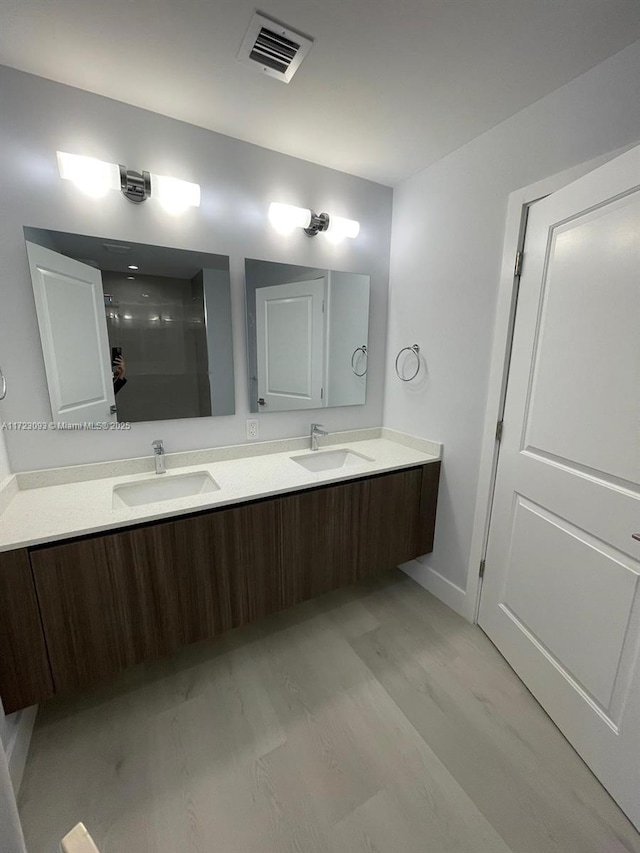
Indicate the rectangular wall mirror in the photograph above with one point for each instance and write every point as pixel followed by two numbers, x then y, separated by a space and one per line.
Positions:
pixel 131 332
pixel 307 337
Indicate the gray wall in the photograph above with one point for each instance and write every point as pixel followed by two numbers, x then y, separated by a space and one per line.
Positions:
pixel 448 228
pixel 217 301
pixel 238 182
pixel 348 329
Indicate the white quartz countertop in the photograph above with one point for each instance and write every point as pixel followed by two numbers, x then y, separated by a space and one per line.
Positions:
pixel 48 513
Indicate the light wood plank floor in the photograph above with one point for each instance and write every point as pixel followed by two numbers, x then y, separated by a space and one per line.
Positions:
pixel 372 720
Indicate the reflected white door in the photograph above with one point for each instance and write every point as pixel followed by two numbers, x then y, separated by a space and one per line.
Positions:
pixel 73 330
pixel 561 595
pixel 290 343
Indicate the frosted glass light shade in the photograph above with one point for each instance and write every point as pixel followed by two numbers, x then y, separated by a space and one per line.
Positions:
pixel 173 194
pixel 285 218
pixel 93 177
pixel 339 228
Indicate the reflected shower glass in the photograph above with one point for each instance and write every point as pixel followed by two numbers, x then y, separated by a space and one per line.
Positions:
pixel 168 320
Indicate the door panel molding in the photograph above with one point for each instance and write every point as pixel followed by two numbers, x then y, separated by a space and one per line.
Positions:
pixel 540 595
pixel 617 483
pixel 290 333
pixel 467 601
pixel 73 330
pixel 560 595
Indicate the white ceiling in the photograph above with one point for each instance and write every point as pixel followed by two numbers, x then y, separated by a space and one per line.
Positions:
pixel 390 86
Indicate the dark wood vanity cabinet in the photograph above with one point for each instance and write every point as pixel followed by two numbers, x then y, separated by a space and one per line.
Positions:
pixel 76 613
pixel 320 529
pixel 391 513
pixel 336 535
pixel 25 676
pixel 229 568
pixel 109 602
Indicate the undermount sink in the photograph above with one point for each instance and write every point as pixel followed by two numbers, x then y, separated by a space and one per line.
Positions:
pixel 329 460
pixel 163 487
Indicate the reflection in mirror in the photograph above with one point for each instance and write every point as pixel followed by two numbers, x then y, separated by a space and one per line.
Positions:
pixel 307 337
pixel 131 331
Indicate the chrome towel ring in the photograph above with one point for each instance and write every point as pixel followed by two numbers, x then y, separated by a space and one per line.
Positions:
pixel 415 349
pixel 365 352
pixel 3 386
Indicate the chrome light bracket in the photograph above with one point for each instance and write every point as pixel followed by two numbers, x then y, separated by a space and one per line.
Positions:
pixel 136 186
pixel 319 222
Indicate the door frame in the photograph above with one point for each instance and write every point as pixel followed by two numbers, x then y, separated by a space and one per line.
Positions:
pixel 517 211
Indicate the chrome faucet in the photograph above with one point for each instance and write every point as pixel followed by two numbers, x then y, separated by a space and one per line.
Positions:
pixel 158 455
pixel 316 430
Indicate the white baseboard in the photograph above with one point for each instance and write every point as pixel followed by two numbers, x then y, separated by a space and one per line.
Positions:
pixel 450 594
pixel 20 728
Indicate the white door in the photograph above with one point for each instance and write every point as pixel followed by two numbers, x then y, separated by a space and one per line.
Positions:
pixel 561 597
pixel 290 335
pixel 73 330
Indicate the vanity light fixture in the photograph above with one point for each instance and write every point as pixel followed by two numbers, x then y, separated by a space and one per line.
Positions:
pixel 285 218
pixel 93 177
pixel 96 177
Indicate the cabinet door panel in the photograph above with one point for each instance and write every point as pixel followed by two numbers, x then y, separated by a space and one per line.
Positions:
pixel 108 602
pixel 320 533
pixel 428 506
pixel 389 521
pixel 233 576
pixel 25 677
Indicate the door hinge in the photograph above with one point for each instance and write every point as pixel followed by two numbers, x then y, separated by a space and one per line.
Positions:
pixel 483 563
pixel 517 270
pixel 322 393
pixel 323 306
pixel 499 427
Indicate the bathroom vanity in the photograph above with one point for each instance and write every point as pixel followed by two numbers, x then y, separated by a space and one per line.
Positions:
pixel 78 610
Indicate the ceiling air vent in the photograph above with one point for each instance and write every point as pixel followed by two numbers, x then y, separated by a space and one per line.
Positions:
pixel 274 49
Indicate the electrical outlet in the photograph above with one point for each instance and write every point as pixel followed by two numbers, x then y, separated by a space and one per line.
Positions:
pixel 252 429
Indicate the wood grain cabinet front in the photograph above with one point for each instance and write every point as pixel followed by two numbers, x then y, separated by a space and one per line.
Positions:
pixel 25 677
pixel 108 602
pixel 335 535
pixel 230 573
pixel 112 601
pixel 319 540
pixel 390 517
pixel 85 609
